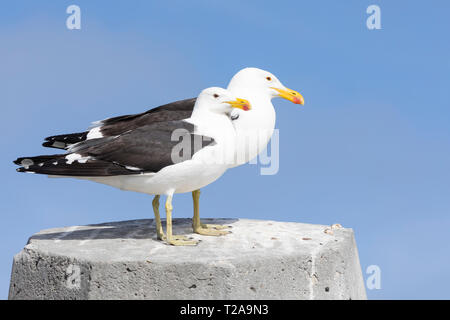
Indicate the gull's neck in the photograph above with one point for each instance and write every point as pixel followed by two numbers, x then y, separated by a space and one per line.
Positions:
pixel 261 116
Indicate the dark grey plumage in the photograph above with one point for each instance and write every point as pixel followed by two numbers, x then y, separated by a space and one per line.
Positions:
pixel 177 110
pixel 60 167
pixel 130 144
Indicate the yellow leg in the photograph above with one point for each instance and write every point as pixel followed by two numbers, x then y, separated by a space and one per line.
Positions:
pixel 204 229
pixel 170 238
pixel 159 229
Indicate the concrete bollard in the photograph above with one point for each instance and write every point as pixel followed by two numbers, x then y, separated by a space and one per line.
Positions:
pixel 123 260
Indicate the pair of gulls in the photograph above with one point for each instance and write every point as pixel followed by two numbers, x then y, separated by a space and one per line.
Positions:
pixel 178 147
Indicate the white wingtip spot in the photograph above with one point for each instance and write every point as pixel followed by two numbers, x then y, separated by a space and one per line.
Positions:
pixel 26 163
pixel 58 144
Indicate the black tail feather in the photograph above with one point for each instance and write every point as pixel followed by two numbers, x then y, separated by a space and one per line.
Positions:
pixel 59 166
pixel 63 141
pixel 28 161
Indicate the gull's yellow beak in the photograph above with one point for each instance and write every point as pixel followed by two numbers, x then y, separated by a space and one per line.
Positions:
pixel 290 95
pixel 240 104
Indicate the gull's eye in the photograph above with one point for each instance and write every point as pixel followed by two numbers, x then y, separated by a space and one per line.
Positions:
pixel 269 78
pixel 216 95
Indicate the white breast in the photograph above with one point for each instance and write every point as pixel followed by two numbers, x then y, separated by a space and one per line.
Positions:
pixel 206 166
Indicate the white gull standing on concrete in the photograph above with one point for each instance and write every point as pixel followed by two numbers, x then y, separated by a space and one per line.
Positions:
pixel 151 158
pixel 253 128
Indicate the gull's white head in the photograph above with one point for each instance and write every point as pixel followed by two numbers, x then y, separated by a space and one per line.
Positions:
pixel 220 100
pixel 262 82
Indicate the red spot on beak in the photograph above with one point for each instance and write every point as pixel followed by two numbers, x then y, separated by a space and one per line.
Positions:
pixel 245 107
pixel 297 100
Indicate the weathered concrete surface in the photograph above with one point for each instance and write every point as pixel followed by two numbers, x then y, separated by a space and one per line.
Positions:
pixel 123 260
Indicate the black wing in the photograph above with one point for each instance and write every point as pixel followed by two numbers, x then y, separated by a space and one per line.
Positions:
pixel 146 149
pixel 91 168
pixel 174 111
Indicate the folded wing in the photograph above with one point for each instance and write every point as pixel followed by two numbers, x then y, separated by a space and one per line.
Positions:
pixel 148 148
pixel 177 110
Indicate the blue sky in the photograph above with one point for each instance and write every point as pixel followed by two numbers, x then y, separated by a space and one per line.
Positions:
pixel 370 149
